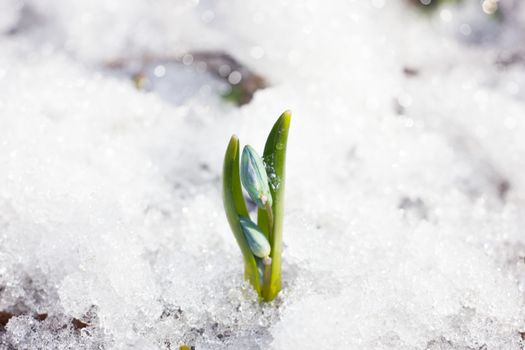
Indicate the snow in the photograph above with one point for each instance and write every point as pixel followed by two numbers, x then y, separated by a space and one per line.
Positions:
pixel 404 197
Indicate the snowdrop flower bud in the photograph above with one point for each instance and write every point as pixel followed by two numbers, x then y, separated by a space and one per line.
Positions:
pixel 254 178
pixel 257 241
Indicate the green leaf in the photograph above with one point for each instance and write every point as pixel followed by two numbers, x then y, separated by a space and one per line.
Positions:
pixel 235 207
pixel 275 158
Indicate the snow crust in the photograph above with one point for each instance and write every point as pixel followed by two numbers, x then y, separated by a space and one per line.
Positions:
pixel 405 195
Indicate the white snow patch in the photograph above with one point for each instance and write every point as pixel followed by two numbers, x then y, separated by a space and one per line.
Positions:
pixel 405 195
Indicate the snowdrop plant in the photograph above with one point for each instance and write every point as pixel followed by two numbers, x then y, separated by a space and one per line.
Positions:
pixel 263 179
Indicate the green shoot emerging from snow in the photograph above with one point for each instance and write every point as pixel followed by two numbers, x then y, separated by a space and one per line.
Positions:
pixel 261 243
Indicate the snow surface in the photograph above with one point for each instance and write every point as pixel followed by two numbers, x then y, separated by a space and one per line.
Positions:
pixel 405 203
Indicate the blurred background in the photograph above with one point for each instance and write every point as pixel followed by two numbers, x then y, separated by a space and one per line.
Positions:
pixel 229 48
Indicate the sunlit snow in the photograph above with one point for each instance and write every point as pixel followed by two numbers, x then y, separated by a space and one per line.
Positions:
pixel 405 189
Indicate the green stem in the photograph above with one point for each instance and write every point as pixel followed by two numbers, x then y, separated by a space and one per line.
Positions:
pixel 275 158
pixel 267 262
pixel 235 207
pixel 269 215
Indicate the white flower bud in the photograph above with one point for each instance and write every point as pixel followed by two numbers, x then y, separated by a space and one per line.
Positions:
pixel 257 241
pixel 254 177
